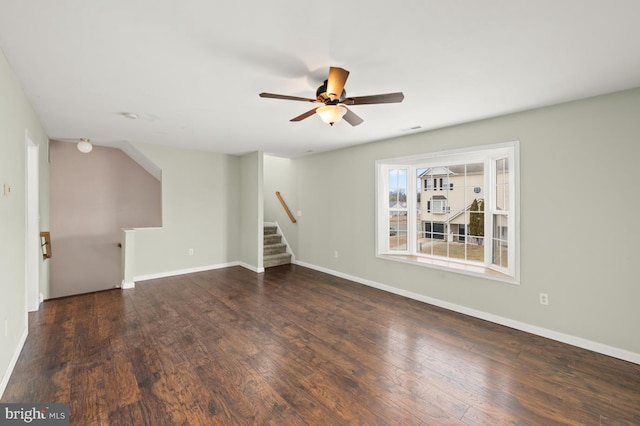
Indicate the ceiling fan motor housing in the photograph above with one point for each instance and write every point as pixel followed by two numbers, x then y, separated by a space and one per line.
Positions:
pixel 322 96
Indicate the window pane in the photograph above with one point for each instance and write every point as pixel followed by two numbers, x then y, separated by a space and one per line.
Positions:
pixel 457 245
pixel 393 178
pixel 475 249
pixel 423 239
pixel 402 178
pixel 502 184
pixel 397 231
pixel 501 197
pixel 439 248
pixel 397 189
pixel 500 254
pixel 397 209
pixel 476 219
pixel 500 241
pixel 423 201
pixel 475 180
pixel 398 241
pixel 393 232
pixel 394 198
pixel 502 171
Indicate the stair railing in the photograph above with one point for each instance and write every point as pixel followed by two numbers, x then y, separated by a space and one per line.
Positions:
pixel 286 209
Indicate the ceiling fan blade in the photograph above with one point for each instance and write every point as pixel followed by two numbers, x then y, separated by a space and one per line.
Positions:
pixel 305 115
pixel 352 118
pixel 335 82
pixel 286 97
pixel 387 98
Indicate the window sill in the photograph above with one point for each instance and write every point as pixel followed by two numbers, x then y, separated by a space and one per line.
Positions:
pixel 452 266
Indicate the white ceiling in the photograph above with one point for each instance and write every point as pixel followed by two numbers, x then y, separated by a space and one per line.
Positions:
pixel 192 70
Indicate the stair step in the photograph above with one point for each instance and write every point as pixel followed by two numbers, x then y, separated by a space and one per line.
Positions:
pixel 274 249
pixel 272 239
pixel 276 259
pixel 270 229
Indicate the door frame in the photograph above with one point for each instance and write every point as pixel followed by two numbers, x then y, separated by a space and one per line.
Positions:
pixel 32 224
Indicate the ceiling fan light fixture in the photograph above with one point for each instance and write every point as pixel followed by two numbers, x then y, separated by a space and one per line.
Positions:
pixel 331 114
pixel 84 146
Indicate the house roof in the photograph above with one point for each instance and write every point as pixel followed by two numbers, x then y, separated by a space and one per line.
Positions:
pixel 192 72
pixel 452 170
pixel 397 205
pixel 437 171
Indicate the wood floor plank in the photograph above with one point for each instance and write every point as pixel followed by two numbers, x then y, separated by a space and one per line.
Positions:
pixel 121 387
pixel 296 346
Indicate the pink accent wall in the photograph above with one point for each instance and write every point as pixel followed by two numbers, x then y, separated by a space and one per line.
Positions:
pixel 93 196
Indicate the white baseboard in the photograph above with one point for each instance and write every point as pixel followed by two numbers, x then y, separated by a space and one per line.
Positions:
pixel 183 271
pixel 539 331
pixel 14 360
pixel 250 267
pixel 127 284
pixel 191 271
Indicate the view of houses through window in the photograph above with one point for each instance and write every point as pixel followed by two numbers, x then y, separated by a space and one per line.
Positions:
pixel 447 209
pixel 457 207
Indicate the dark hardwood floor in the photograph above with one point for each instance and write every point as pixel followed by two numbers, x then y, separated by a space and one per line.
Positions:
pixel 295 346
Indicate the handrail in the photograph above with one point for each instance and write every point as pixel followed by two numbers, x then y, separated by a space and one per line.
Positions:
pixel 286 209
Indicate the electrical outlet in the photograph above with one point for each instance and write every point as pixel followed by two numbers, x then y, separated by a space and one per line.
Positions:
pixel 544 299
pixel 335 254
pixel 190 252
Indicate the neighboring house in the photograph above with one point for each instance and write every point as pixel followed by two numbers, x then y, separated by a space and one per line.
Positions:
pixel 398 212
pixel 446 197
pixel 398 208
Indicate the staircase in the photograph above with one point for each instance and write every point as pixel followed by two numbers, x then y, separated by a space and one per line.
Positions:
pixel 275 251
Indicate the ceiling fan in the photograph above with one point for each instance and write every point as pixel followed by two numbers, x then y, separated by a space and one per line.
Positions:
pixel 334 97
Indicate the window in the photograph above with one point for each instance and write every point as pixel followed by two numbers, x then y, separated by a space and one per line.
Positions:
pixel 445 184
pixel 420 219
pixel 396 180
pixel 439 205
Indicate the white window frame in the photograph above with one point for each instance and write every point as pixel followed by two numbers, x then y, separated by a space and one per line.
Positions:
pixel 488 154
pixel 442 206
pixel 387 189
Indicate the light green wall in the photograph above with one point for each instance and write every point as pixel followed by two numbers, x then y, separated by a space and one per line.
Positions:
pixel 16 115
pixel 579 209
pixel 279 175
pixel 200 201
pixel 251 210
